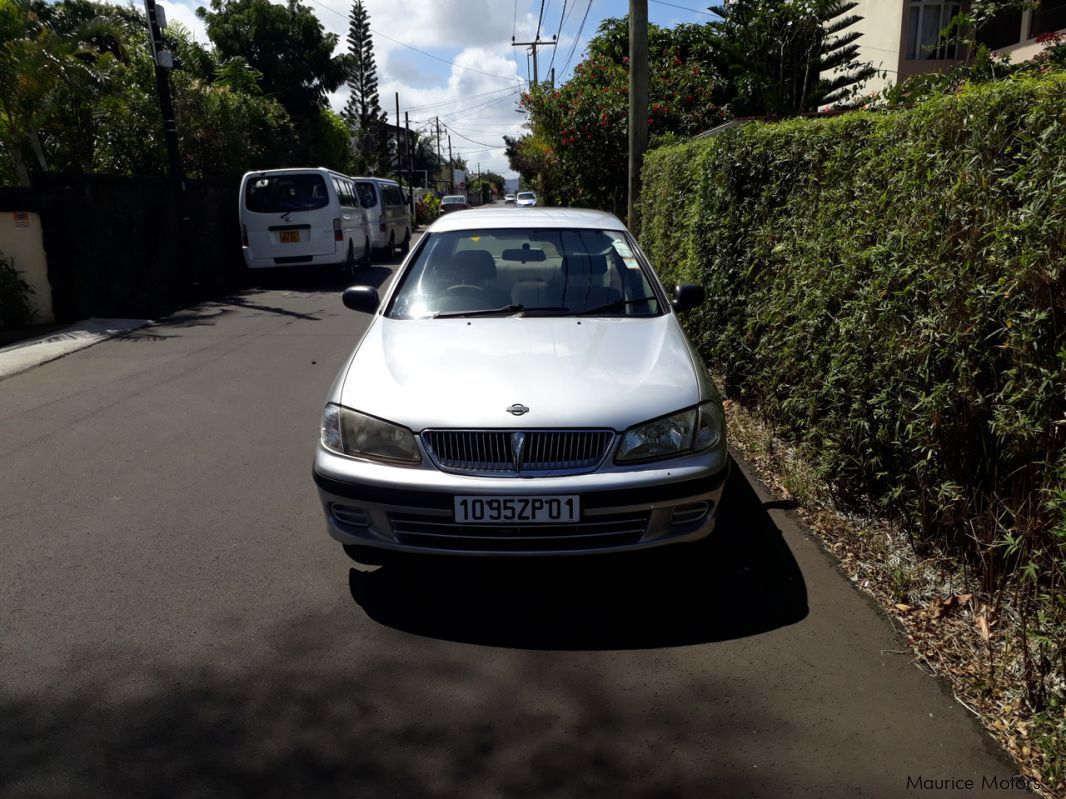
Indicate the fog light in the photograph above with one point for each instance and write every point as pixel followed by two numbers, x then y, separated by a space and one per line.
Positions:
pixel 687 514
pixel 346 514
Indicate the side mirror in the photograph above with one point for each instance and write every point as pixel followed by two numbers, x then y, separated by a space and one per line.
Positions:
pixel 361 298
pixel 688 296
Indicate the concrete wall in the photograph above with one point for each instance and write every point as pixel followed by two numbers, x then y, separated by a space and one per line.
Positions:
pixel 21 242
pixel 882 33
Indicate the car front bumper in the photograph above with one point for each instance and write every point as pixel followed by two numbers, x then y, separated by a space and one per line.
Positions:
pixel 411 509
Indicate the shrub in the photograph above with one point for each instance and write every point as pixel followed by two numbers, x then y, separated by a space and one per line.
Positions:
pixel 427 209
pixel 888 290
pixel 16 310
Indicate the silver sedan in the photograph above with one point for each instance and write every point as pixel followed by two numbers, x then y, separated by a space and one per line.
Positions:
pixel 524 388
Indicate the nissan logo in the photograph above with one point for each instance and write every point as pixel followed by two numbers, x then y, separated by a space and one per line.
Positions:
pixel 518 409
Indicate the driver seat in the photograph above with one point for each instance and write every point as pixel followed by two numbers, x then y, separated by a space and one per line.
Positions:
pixel 468 268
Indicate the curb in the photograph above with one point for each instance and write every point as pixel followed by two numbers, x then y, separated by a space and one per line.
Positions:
pixel 24 355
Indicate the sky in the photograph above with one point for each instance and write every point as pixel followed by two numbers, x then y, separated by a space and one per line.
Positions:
pixel 453 59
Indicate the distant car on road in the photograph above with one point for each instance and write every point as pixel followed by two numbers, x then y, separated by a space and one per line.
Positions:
pixel 453 202
pixel 508 199
pixel 526 199
pixel 524 388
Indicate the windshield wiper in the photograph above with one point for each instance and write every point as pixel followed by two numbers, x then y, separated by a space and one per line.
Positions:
pixel 514 308
pixel 479 312
pixel 546 310
pixel 615 305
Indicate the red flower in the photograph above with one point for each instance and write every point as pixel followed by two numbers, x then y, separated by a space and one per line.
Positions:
pixel 677 61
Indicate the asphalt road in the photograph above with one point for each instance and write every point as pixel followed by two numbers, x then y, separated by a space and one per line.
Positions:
pixel 176 623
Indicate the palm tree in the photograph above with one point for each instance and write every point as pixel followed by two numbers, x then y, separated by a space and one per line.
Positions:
pixel 40 70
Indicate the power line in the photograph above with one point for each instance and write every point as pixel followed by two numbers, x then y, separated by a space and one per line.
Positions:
pixel 479 106
pixel 557 33
pixel 683 8
pixel 460 99
pixel 539 20
pixel 577 39
pixel 479 143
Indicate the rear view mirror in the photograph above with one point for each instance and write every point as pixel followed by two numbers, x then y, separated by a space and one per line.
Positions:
pixel 688 296
pixel 525 254
pixel 361 298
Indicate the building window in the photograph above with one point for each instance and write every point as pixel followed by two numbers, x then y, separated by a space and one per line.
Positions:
pixel 927 19
pixel 1048 17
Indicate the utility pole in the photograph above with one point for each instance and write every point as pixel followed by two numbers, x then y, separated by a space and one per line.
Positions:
pixel 438 153
pixel 164 62
pixel 451 167
pixel 534 46
pixel 553 77
pixel 480 188
pixel 399 167
pixel 410 162
pixel 638 101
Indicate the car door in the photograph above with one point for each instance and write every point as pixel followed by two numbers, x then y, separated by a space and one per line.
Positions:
pixel 397 213
pixel 345 211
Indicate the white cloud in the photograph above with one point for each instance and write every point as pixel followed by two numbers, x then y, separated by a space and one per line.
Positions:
pixel 185 13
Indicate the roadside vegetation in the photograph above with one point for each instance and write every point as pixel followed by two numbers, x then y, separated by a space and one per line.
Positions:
pixel 758 57
pixel 78 91
pixel 887 313
pixel 16 307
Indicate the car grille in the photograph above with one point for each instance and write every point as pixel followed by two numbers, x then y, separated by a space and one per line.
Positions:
pixel 503 453
pixel 596 532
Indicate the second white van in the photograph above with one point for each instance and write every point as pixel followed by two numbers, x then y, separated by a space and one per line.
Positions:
pixel 302 217
pixel 388 214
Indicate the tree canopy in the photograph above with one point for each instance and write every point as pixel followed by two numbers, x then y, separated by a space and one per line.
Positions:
pixel 782 59
pixel 286 43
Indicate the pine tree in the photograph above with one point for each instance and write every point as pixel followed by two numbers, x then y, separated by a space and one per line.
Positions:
pixel 363 111
pixel 781 59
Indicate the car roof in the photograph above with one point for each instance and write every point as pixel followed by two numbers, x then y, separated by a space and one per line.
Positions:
pixel 293 170
pixel 375 180
pixel 542 217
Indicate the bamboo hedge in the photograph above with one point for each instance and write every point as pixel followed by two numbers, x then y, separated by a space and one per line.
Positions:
pixel 888 291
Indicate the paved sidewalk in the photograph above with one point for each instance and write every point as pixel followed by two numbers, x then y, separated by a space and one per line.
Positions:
pixel 32 352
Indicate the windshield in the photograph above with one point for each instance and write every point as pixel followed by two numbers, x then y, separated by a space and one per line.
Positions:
pixel 268 194
pixel 453 199
pixel 525 271
pixel 526 195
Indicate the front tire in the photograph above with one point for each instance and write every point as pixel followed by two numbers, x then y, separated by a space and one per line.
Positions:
pixel 350 264
pixel 364 262
pixel 406 246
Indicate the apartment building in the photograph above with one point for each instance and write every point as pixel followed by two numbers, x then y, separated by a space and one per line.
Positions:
pixel 902 37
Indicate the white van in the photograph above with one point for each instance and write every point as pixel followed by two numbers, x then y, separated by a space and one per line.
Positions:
pixel 388 213
pixel 302 217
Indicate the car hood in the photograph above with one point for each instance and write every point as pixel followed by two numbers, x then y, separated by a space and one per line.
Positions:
pixel 569 372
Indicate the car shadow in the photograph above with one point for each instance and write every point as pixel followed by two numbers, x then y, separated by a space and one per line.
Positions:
pixel 321 280
pixel 743 581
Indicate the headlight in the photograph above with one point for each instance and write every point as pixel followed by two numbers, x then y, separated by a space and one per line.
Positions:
pixel 352 433
pixel 691 430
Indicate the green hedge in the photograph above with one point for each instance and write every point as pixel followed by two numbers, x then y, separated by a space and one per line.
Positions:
pixel 889 290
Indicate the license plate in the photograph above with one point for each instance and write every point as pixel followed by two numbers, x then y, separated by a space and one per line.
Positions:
pixel 557 509
pixel 290 236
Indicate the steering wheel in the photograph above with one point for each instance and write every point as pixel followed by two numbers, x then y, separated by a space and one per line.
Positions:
pixel 467 290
